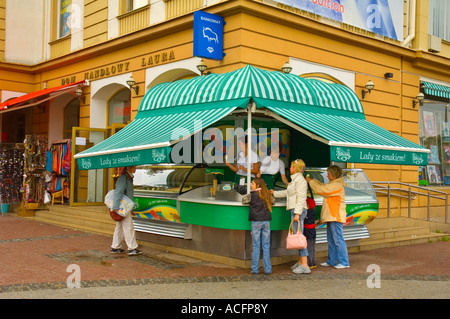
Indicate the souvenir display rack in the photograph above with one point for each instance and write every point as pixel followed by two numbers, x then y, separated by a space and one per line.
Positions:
pixel 58 163
pixel 34 170
pixel 11 173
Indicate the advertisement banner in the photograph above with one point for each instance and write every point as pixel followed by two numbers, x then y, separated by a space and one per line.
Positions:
pixel 208 35
pixel 132 158
pixel 383 17
pixel 377 156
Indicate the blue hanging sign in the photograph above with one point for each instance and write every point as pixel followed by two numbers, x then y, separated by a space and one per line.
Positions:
pixel 208 35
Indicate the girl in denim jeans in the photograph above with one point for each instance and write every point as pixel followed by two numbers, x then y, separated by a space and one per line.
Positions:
pixel 261 202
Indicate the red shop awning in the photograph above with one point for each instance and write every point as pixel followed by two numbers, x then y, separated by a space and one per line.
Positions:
pixel 37 97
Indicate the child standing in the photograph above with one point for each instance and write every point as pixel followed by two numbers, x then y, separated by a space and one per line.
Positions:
pixel 261 202
pixel 310 232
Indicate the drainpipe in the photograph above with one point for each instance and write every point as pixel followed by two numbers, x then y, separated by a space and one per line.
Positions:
pixel 412 23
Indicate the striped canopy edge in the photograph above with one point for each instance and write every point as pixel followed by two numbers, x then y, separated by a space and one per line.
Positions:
pixel 436 89
pixel 251 82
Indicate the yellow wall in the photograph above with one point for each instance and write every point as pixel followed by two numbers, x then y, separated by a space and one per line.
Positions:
pixel 265 36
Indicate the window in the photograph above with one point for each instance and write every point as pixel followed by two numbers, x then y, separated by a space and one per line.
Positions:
pixel 64 18
pixel 135 4
pixel 439 24
pixel 119 109
pixel 434 134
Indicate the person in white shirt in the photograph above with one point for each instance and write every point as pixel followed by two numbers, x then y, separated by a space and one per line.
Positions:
pixel 272 165
pixel 241 164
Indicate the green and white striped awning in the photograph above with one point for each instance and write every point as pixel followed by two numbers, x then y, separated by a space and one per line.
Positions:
pixel 352 138
pixel 438 90
pixel 172 111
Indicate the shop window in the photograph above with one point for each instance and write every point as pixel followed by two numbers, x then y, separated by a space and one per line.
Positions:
pixel 434 134
pixel 119 108
pixel 71 117
pixel 439 24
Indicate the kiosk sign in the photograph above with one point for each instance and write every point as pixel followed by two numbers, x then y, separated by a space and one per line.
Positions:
pixel 208 35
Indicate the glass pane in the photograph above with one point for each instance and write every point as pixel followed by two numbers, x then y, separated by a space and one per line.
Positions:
pixel 120 108
pixel 89 186
pixel 64 18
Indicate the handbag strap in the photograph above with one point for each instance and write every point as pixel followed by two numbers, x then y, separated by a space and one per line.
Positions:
pixel 291 228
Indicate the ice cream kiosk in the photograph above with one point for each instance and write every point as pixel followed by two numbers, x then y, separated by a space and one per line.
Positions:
pixel 186 197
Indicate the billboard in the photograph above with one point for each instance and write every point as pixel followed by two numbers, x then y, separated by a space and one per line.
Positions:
pixel 208 35
pixel 383 17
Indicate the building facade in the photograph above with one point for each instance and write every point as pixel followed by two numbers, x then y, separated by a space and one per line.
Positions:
pixel 401 46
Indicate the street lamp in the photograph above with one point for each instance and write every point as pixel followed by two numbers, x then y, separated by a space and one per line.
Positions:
pixel 286 68
pixel 131 82
pixel 201 66
pixel 420 96
pixel 369 86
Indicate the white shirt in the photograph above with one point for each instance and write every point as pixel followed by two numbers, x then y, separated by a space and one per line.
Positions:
pixel 271 167
pixel 242 160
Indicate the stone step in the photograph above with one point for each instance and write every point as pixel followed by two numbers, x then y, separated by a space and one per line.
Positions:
pixel 398 233
pixel 93 219
pixel 369 243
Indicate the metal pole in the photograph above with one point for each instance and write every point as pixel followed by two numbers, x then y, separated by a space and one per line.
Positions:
pixel 409 201
pixel 249 145
pixel 389 201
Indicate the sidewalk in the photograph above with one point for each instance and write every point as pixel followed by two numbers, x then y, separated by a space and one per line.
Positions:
pixel 36 257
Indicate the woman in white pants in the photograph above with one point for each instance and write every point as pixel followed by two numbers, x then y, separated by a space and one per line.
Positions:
pixel 124 228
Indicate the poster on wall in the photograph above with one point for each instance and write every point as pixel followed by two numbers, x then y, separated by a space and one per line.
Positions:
pixel 434 174
pixel 428 123
pixel 384 17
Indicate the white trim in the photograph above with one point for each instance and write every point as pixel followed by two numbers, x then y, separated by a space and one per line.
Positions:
pixel 300 67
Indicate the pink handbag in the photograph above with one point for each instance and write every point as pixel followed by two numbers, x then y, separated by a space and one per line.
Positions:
pixel 297 240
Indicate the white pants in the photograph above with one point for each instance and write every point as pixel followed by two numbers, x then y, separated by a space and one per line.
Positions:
pixel 125 229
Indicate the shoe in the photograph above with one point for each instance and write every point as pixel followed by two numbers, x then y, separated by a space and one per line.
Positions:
pixel 325 264
pixel 116 251
pixel 302 270
pixel 134 252
pixel 267 273
pixel 295 265
pixel 254 273
pixel 341 266
pixel 312 267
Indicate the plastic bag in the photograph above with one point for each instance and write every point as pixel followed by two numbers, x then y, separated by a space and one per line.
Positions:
pixel 125 207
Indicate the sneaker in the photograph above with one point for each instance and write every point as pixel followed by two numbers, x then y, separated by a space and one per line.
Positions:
pixel 325 264
pixel 254 273
pixel 295 265
pixel 116 251
pixel 134 252
pixel 302 270
pixel 341 266
pixel 312 267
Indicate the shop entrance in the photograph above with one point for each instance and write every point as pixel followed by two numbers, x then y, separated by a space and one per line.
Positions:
pixel 88 186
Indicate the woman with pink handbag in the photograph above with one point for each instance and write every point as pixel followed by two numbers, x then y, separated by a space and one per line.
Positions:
pixel 296 202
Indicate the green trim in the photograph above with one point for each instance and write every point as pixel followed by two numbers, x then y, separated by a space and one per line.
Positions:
pixel 228 217
pixel 141 157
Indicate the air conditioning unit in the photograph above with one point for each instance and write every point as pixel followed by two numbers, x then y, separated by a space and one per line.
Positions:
pixel 434 44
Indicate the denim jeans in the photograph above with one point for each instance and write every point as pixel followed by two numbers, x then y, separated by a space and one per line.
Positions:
pixel 301 252
pixel 337 249
pixel 261 236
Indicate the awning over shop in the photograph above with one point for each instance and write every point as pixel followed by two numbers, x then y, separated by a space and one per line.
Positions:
pixel 352 138
pixel 147 139
pixel 38 97
pixel 438 90
pixel 331 112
